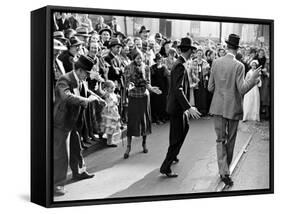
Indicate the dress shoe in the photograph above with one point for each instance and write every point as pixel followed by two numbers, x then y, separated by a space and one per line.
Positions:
pixel 170 174
pixel 126 155
pixel 111 145
pixel 59 191
pixel 144 148
pixel 227 180
pixel 83 175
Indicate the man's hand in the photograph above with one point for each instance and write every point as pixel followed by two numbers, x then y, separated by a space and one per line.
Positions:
pixel 156 90
pixel 92 98
pixel 257 73
pixel 194 112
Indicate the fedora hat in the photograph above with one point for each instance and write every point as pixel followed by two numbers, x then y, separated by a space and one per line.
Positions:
pixel 114 42
pixel 233 40
pixel 167 41
pixel 59 46
pixel 158 36
pixel 82 31
pixel 74 41
pixel 85 63
pixel 186 42
pixel 120 33
pixel 143 29
pixel 105 29
pixel 59 35
pixel 157 57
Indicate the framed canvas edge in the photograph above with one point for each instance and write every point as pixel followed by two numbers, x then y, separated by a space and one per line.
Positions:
pixel 48 91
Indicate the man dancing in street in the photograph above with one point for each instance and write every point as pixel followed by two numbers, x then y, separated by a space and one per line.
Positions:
pixel 178 107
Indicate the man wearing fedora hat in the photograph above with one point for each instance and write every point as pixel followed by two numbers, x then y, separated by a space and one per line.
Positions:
pixel 116 69
pixel 144 33
pixel 178 106
pixel 71 98
pixel 58 69
pixel 113 59
pixel 59 35
pixel 57 64
pixel 82 34
pixel 69 56
pixel 228 85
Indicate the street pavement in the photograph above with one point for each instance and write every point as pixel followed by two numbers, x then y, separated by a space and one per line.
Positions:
pixel 139 175
pixel 253 170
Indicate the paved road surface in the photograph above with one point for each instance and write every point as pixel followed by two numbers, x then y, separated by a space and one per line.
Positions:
pixel 139 175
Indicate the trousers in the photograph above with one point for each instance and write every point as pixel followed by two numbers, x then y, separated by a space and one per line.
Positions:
pixel 226 131
pixel 178 130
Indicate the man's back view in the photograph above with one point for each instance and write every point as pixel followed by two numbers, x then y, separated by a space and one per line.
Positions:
pixel 229 86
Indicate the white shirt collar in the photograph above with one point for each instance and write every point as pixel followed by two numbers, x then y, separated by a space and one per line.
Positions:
pixel 231 54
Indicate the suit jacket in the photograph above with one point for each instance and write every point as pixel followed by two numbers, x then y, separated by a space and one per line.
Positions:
pixel 229 86
pixel 67 60
pixel 63 26
pixel 69 102
pixel 115 62
pixel 178 96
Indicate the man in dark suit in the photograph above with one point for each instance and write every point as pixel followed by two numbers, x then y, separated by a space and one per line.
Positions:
pixel 63 23
pixel 68 110
pixel 178 106
pixel 229 86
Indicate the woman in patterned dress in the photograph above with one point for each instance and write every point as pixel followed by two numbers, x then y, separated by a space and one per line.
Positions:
pixel 137 78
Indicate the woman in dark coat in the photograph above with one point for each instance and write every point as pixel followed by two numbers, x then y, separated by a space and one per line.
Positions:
pixel 159 78
pixel 265 86
pixel 201 93
pixel 137 78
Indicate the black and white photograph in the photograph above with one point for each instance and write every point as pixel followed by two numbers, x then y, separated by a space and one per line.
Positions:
pixel 146 106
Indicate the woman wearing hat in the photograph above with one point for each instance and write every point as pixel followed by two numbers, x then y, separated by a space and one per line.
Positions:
pixel 105 35
pixel 137 79
pixel 265 87
pixel 251 102
pixel 165 48
pixel 201 93
pixel 69 56
pixel 159 78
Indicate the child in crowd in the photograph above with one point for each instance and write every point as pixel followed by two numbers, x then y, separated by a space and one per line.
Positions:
pixel 110 116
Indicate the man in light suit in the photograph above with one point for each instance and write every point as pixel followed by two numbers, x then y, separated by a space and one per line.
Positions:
pixel 229 86
pixel 68 110
pixel 178 107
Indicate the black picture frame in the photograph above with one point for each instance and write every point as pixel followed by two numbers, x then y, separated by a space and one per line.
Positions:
pixel 42 106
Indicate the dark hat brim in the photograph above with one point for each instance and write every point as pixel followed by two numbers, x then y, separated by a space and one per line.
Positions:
pixel 76 44
pixel 112 45
pixel 85 68
pixel 155 59
pixel 147 31
pixel 236 46
pixel 187 46
pixel 85 35
pixel 105 29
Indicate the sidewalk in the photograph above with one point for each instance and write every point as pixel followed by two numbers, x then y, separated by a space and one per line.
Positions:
pixel 252 171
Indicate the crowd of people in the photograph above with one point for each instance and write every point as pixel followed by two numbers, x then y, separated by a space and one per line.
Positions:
pixel 123 81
